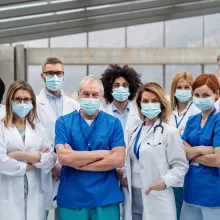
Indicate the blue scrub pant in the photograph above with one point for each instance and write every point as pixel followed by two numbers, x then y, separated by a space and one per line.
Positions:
pixel 193 212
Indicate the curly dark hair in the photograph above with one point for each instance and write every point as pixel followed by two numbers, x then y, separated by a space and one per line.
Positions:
pixel 2 90
pixel 113 72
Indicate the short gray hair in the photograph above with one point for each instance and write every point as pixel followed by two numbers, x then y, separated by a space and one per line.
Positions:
pixel 91 79
pixel 218 58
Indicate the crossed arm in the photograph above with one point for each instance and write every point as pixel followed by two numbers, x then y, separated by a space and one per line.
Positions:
pixel 206 155
pixel 99 160
pixel 30 158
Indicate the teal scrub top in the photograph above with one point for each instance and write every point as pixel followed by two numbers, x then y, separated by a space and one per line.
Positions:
pixel 202 183
pixel 84 189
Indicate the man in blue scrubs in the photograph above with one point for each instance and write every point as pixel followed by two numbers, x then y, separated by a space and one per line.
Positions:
pixel 90 146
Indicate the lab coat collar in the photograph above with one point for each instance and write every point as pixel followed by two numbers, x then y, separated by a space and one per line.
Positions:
pixel 14 131
pixel 134 135
pixel 175 112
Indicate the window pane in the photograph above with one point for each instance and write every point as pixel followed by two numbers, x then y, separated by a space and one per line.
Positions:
pixel 96 70
pixel 44 43
pixel 150 73
pixel 212 31
pixel 172 70
pixel 75 40
pixel 146 35
pixel 211 69
pixel 107 38
pixel 181 32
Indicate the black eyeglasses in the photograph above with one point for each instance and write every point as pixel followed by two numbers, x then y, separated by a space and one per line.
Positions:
pixel 52 73
pixel 117 85
pixel 19 100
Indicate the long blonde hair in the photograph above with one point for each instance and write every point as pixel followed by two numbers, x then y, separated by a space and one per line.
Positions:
pixel 156 89
pixel 179 76
pixel 32 115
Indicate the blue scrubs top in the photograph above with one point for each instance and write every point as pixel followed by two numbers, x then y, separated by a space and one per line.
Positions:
pixel 84 189
pixel 202 183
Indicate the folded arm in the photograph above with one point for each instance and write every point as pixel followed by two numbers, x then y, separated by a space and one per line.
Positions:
pixel 211 160
pixel 31 158
pixel 193 152
pixel 77 159
pixel 114 160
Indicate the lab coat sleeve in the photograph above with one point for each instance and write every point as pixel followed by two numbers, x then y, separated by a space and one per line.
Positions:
pixel 9 166
pixel 117 138
pixel 47 160
pixel 176 158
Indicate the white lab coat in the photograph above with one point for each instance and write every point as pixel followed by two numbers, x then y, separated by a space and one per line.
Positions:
pixel 217 105
pixel 48 119
pixel 193 110
pixel 167 161
pixel 12 204
pixel 2 111
pixel 132 121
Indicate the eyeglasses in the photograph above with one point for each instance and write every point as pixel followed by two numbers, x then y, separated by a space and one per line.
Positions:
pixel 19 100
pixel 117 85
pixel 52 73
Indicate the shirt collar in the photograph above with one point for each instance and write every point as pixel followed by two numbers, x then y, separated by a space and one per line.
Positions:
pixel 51 96
pixel 115 109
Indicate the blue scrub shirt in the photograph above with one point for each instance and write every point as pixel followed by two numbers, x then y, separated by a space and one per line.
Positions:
pixel 84 189
pixel 202 183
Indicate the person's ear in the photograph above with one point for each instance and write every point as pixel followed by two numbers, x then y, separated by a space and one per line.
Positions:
pixel 43 77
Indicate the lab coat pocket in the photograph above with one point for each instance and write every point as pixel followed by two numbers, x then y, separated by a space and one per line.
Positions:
pixel 4 188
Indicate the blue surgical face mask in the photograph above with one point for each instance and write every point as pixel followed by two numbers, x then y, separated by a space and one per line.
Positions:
pixel 54 83
pixel 203 104
pixel 151 110
pixel 89 105
pixel 121 94
pixel 183 95
pixel 21 109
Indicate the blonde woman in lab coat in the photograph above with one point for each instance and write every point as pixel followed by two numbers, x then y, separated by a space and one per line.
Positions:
pixel 24 154
pixel 183 108
pixel 155 161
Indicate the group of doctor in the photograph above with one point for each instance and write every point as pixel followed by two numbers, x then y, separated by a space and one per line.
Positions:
pixel 55 151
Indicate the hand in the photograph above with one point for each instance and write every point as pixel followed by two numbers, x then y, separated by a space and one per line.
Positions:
pixel 45 150
pixel 68 147
pixel 56 171
pixel 56 178
pixel 16 155
pixel 206 150
pixel 120 174
pixel 186 144
pixel 124 183
pixel 159 186
pixel 30 167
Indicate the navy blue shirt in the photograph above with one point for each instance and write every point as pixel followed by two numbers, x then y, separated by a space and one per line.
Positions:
pixel 85 189
pixel 202 183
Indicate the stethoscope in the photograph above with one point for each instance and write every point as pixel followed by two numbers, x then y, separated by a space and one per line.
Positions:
pixel 137 148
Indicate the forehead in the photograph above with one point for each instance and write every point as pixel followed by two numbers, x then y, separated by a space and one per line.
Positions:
pixel 53 67
pixel 149 95
pixel 218 63
pixel 203 89
pixel 183 82
pixel 120 80
pixel 90 87
pixel 22 93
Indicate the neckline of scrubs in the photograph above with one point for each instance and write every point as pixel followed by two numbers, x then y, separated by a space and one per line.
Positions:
pixel 210 116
